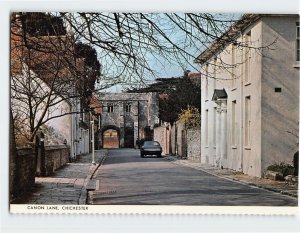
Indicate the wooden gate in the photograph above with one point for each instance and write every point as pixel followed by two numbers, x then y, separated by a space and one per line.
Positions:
pixel 110 139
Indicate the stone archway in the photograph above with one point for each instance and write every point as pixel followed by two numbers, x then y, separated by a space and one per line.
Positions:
pixel 110 137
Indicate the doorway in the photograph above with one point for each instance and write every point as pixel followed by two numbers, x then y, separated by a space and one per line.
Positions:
pixel 110 138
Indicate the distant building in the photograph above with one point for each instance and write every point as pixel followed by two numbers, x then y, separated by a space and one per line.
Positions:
pixel 126 118
pixel 250 110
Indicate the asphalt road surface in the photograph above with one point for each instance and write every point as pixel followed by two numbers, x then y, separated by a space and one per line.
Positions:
pixel 127 179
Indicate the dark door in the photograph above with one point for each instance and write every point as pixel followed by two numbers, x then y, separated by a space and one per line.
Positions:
pixel 129 137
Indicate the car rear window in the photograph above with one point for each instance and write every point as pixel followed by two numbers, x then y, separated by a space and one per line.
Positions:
pixel 151 143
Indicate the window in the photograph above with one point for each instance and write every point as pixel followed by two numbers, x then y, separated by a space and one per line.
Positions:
pixel 128 108
pixel 233 123
pixel 247 120
pixel 233 65
pixel 247 58
pixel 298 42
pixel 206 127
pixel 110 108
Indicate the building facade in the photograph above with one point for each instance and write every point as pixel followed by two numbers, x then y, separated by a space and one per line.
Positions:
pixel 250 95
pixel 126 118
pixel 45 87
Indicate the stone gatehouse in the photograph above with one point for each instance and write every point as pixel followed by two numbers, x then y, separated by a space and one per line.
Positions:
pixel 126 118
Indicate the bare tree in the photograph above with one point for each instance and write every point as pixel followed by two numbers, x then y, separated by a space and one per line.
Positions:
pixel 131 47
pixel 135 46
pixel 50 72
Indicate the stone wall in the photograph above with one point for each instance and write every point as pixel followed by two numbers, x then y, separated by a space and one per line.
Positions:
pixel 131 114
pixel 189 146
pixel 24 176
pixel 23 167
pixel 194 144
pixel 55 157
pixel 12 157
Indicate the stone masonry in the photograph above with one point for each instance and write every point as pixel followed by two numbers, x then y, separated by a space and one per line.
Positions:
pixel 193 144
pixel 131 115
pixel 66 186
pixel 56 157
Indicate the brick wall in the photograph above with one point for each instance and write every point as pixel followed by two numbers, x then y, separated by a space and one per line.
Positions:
pixel 193 144
pixel 55 157
pixel 162 135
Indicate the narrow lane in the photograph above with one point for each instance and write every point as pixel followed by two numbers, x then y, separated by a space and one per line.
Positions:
pixel 127 179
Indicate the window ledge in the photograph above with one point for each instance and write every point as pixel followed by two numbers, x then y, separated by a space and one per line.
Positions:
pixel 247 148
pixel 247 83
pixel 233 147
pixel 206 100
pixel 297 65
pixel 233 89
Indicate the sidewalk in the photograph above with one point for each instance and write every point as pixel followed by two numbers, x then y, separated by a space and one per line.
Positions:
pixel 271 185
pixel 68 184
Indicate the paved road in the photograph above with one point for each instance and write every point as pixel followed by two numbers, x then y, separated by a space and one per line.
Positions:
pixel 125 178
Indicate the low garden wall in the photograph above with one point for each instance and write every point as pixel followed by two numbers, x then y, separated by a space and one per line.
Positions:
pixel 193 144
pixel 24 175
pixel 55 157
pixel 26 165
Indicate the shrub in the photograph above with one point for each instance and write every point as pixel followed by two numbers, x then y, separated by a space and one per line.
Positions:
pixel 284 168
pixel 190 117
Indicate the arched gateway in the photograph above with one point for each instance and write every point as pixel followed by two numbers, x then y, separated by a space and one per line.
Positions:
pixel 109 137
pixel 125 118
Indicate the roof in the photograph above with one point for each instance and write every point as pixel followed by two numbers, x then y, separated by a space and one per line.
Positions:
pixel 228 37
pixel 219 94
pixel 231 35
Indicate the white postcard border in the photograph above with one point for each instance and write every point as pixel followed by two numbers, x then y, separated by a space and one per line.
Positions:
pixel 151 209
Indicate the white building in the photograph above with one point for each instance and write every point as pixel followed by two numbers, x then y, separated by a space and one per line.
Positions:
pixel 80 130
pixel 250 94
pixel 61 126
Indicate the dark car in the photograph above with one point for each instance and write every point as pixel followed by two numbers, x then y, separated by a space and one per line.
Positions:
pixel 151 148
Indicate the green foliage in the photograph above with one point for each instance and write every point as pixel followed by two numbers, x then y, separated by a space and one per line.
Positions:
pixel 186 93
pixel 92 67
pixel 284 168
pixel 176 94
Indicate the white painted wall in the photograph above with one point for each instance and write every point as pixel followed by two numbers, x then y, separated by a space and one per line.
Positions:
pixel 271 114
pixel 280 110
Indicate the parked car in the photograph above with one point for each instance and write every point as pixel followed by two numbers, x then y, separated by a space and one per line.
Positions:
pixel 139 143
pixel 151 148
